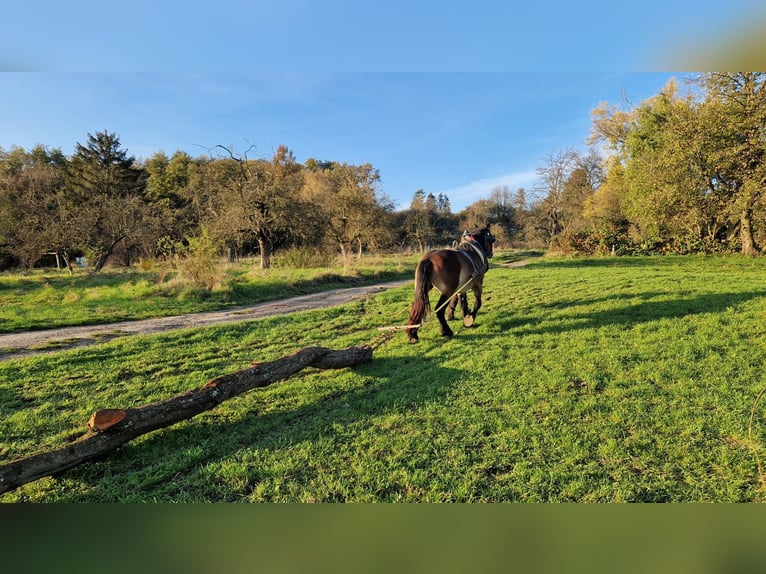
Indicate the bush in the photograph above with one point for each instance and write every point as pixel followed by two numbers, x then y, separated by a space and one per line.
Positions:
pixel 304 258
pixel 200 262
pixel 621 243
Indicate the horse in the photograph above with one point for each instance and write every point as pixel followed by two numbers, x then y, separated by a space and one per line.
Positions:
pixel 452 272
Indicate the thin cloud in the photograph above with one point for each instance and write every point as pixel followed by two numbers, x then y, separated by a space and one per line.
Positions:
pixel 463 196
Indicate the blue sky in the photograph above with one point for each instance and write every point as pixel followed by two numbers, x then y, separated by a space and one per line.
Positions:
pixel 461 134
pixel 359 36
pixel 451 97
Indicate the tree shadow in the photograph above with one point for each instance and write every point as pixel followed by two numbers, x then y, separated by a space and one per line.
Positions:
pixel 612 262
pixel 574 302
pixel 217 439
pixel 626 315
pixel 506 257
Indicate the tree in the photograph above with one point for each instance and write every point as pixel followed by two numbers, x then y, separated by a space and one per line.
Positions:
pixel 31 204
pixel 739 102
pixel 418 223
pixel 477 214
pixel 602 211
pixel 577 190
pixel 667 170
pixel 430 203
pixel 257 201
pixel 107 188
pixel 173 215
pixel 551 189
pixel 503 214
pixel 418 200
pixel 353 210
pixel 694 165
pixel 611 124
pixel 443 204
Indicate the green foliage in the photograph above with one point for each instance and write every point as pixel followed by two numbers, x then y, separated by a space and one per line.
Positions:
pixel 693 167
pixel 304 258
pixel 587 380
pixel 201 261
pixel 685 171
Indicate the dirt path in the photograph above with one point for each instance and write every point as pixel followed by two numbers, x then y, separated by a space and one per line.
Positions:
pixel 15 345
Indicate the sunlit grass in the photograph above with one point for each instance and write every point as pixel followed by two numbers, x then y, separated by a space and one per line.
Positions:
pixel 584 380
pixel 46 299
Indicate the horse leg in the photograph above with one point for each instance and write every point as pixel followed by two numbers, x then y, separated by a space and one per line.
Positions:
pixel 470 318
pixel 451 308
pixel 420 304
pixel 445 330
pixel 464 303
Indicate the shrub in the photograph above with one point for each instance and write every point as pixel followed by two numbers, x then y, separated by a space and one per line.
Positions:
pixel 200 262
pixel 304 258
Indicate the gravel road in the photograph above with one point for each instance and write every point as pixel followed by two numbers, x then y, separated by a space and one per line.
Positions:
pixel 14 345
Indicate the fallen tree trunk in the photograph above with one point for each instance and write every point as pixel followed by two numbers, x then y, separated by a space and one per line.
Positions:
pixel 111 428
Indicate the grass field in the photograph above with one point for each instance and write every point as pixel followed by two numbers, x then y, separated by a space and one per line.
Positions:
pixel 611 379
pixel 48 299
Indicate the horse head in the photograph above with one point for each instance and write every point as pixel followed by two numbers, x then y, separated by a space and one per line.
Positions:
pixel 483 238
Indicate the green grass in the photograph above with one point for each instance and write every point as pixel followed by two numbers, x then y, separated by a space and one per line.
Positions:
pixel 49 299
pixel 614 379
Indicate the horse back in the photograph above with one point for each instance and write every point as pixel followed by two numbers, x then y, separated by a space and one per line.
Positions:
pixel 450 270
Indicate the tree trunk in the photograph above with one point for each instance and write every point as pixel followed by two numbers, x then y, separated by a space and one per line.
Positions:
pixel 111 428
pixel 67 261
pixel 749 246
pixel 263 247
pixel 104 254
pixel 100 262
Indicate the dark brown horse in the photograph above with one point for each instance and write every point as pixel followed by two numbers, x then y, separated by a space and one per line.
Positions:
pixel 453 272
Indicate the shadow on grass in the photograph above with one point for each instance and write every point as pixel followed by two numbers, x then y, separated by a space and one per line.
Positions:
pixel 513 256
pixel 629 261
pixel 387 389
pixel 627 315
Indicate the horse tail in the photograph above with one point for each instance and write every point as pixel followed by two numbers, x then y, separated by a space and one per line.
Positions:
pixel 421 306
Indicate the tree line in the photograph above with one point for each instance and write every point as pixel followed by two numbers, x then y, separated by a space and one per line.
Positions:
pixel 681 172
pixel 678 172
pixel 101 203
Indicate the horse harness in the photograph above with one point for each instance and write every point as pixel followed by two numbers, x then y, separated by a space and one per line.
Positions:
pixel 479 251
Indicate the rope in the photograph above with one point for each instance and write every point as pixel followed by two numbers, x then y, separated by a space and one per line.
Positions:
pixel 459 289
pixel 381 340
pixel 398 327
pixel 388 332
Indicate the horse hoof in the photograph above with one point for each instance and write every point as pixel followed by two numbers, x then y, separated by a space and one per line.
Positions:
pixel 468 321
pixel 413 340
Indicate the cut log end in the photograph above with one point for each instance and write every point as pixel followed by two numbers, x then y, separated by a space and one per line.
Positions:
pixel 126 424
pixel 105 418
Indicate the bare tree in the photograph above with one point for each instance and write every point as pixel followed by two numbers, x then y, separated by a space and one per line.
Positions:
pixel 551 190
pixel 257 200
